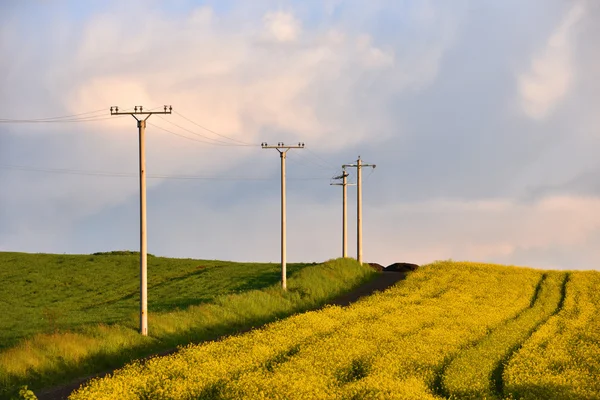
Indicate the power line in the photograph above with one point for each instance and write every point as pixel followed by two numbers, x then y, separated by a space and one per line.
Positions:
pixel 321 159
pixel 316 161
pixel 84 119
pixel 311 162
pixel 194 139
pixel 216 141
pixel 211 131
pixel 66 171
pixel 152 109
pixel 50 119
pixel 150 176
pixel 180 135
pixel 370 173
pixel 81 117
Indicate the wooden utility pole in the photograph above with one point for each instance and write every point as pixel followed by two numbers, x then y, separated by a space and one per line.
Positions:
pixel 359 165
pixel 283 149
pixel 141 123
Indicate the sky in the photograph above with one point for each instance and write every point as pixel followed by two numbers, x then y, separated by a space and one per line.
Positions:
pixel 482 118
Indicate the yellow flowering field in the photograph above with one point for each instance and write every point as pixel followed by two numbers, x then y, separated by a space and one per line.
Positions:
pixel 476 372
pixel 414 341
pixel 562 359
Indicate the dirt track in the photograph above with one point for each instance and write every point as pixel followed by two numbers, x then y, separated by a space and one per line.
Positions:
pixel 381 282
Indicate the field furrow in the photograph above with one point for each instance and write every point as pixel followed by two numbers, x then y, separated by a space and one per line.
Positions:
pixel 562 359
pixel 438 386
pixel 476 372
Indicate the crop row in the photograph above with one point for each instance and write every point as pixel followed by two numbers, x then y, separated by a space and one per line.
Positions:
pixel 562 359
pixel 390 345
pixel 476 373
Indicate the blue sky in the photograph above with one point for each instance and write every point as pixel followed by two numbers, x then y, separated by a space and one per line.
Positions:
pixel 482 118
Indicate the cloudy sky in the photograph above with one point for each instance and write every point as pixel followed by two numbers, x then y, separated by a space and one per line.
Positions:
pixel 482 117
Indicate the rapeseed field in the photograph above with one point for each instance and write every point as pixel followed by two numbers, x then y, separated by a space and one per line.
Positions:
pixel 450 330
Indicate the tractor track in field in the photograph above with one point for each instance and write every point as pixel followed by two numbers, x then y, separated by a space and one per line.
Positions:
pixel 382 281
pixel 438 382
pixel 497 374
pixel 496 378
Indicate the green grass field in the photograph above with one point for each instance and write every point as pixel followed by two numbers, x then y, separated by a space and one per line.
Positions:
pixel 49 292
pixel 64 316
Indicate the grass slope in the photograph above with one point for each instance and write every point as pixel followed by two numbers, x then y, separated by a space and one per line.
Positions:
pixel 65 316
pixel 43 293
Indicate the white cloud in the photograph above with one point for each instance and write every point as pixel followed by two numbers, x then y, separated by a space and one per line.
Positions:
pixel 282 26
pixel 202 16
pixel 372 56
pixel 551 72
pixel 226 76
pixel 490 231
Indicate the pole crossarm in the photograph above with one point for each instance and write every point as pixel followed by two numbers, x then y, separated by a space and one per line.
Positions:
pixel 356 165
pixel 141 124
pixel 344 176
pixel 139 110
pixel 282 148
pixel 342 184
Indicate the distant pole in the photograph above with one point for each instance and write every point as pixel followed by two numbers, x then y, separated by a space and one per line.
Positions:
pixel 359 251
pixel 143 231
pixel 344 184
pixel 283 149
pixel 283 224
pixel 359 165
pixel 141 123
pixel 344 215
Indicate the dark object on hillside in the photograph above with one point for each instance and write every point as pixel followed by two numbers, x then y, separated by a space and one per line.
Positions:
pixel 401 267
pixel 376 267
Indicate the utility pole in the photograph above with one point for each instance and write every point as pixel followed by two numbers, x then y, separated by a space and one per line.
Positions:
pixel 283 149
pixel 344 184
pixel 359 165
pixel 141 123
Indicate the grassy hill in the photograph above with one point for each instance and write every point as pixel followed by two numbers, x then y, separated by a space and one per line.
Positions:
pixel 49 292
pixel 64 316
pixel 450 330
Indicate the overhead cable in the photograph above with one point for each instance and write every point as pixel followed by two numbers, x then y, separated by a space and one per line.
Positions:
pixel 85 116
pixel 211 131
pixel 197 140
pixel 134 175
